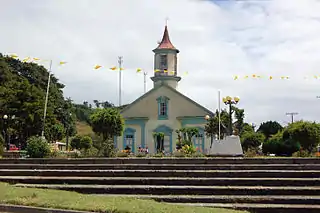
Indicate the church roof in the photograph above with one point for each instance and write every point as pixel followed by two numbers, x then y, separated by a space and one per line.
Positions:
pixel 165 42
pixel 174 90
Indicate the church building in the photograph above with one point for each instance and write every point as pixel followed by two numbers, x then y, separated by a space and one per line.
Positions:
pixel 163 108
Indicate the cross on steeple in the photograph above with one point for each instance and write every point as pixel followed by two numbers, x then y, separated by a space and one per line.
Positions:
pixel 167 19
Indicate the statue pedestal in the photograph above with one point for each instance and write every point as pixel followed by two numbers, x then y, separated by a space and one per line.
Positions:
pixel 229 146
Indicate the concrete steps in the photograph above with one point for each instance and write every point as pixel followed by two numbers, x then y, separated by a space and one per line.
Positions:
pixel 180 181
pixel 258 184
pixel 163 173
pixel 163 166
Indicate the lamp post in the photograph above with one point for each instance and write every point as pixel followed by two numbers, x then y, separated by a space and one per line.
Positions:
pixel 6 119
pixel 230 101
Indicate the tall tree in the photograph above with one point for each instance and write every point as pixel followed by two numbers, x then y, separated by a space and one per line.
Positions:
pixel 269 128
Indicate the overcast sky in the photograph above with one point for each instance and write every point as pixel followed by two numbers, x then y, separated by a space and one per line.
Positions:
pixel 217 40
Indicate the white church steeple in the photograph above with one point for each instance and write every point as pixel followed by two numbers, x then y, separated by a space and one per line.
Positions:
pixel 165 62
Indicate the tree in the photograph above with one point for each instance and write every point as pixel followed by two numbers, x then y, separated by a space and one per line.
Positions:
pixel 278 146
pixel 107 123
pixel 212 126
pixel 251 140
pixel 269 128
pixel 85 142
pixel 54 132
pixel 1 144
pixel 239 115
pixel 304 132
pixel 37 147
pixel 22 91
pixel 76 142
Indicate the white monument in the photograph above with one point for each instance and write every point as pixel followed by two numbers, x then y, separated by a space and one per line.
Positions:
pixel 229 146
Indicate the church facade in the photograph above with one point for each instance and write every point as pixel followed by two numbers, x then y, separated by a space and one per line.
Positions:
pixel 163 108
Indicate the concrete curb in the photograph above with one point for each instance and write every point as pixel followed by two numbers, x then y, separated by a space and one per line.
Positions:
pixel 30 209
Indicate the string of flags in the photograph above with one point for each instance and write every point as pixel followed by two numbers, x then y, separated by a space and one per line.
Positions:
pixel 254 76
pixel 95 67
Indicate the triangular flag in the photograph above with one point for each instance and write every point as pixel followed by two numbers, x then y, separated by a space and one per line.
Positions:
pixel 139 70
pixel 316 77
pixel 156 70
pixel 287 77
pixel 235 77
pixel 36 59
pixel 165 71
pixel 282 77
pixel 13 56
pixel 253 76
pixel 97 67
pixel 121 68
pixel 26 59
pixel 270 78
pixel 62 62
pixel 172 72
pixel 113 68
pixel 245 77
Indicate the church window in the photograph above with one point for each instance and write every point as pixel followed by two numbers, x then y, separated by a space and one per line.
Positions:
pixel 163 62
pixel 198 140
pixel 129 139
pixel 162 108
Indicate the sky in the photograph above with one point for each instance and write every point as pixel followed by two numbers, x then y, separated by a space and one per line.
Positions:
pixel 217 41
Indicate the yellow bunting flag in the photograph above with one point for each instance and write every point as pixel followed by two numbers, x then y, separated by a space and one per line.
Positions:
pixel 62 62
pixel 270 77
pixel 165 71
pixel 173 72
pixel 185 73
pixel 235 77
pixel 26 59
pixel 121 68
pixel 97 67
pixel 13 56
pixel 36 59
pixel 245 77
pixel 139 70
pixel 113 68
pixel 156 70
pixel 253 76
pixel 316 77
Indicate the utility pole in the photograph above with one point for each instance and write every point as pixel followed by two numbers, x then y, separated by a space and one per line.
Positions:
pixel 145 81
pixel 292 114
pixel 120 61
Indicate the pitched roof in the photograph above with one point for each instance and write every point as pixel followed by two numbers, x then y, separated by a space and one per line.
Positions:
pixel 165 42
pixel 172 89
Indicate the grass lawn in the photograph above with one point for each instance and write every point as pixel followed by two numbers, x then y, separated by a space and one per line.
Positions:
pixel 72 200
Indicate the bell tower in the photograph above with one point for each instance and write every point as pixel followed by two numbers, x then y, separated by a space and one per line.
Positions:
pixel 165 63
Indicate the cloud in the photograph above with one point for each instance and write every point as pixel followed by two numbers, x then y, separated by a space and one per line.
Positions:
pixel 217 39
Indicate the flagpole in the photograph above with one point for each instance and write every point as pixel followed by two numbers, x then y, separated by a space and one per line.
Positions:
pixel 46 101
pixel 120 68
pixel 219 109
pixel 145 81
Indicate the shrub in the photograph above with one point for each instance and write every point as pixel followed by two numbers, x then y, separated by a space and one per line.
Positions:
pixel 122 154
pixel 189 149
pixel 76 142
pixel 251 152
pixel 37 147
pixel 197 155
pixel 252 140
pixel 85 142
pixel 91 152
pixel 178 154
pixel 141 155
pixel 301 153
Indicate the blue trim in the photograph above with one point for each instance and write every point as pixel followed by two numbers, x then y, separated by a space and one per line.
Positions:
pixel 141 121
pixel 129 131
pixel 192 120
pixel 167 132
pixel 201 131
pixel 160 100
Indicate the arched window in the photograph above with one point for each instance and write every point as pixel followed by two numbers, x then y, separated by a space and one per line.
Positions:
pixel 129 139
pixel 198 140
pixel 163 107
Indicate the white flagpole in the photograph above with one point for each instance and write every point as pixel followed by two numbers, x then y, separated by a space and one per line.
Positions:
pixel 46 100
pixel 120 61
pixel 145 81
pixel 219 109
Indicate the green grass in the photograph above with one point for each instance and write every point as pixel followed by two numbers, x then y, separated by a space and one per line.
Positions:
pixel 75 201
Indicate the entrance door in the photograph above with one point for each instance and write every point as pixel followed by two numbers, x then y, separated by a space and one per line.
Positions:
pixel 166 144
